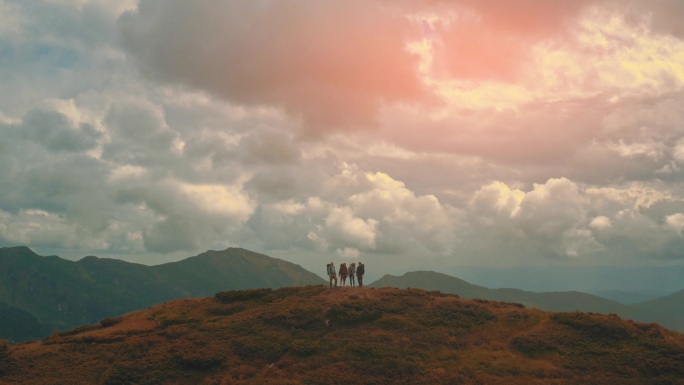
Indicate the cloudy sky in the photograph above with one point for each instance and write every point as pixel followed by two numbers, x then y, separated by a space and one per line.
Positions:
pixel 403 133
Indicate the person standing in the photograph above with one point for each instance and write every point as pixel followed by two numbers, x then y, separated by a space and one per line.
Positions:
pixel 352 274
pixel 332 274
pixel 343 274
pixel 360 270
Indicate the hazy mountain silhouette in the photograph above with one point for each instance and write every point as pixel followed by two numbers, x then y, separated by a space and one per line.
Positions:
pixel 670 308
pixel 664 311
pixel 628 297
pixel 317 335
pixel 61 294
pixel 650 282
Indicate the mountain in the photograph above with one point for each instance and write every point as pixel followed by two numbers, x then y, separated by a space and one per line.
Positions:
pixel 61 294
pixel 552 301
pixel 628 297
pixel 671 309
pixel 20 324
pixel 648 280
pixel 317 335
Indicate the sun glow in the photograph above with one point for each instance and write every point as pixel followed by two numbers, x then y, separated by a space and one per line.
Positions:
pixel 602 52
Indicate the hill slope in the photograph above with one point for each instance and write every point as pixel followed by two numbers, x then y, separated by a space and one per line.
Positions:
pixel 671 307
pixel 555 301
pixel 63 294
pixel 316 335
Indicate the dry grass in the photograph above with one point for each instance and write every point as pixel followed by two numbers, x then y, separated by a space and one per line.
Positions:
pixel 316 335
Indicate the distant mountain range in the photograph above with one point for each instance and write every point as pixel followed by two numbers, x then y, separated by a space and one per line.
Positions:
pixel 317 335
pixel 41 294
pixel 667 311
pixel 626 284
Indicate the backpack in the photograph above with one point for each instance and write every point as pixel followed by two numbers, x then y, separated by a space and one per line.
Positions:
pixel 343 268
pixel 331 269
pixel 360 269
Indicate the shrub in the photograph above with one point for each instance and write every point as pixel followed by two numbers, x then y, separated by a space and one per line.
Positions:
pixel 265 346
pixel 532 344
pixel 352 313
pixel 597 327
pixel 5 360
pixel 295 317
pixel 107 322
pixel 464 315
pixel 499 304
pixel 304 348
pixel 78 330
pixel 230 309
pixel 198 360
pixel 241 295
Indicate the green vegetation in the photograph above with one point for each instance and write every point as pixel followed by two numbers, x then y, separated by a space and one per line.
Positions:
pixel 316 335
pixel 41 294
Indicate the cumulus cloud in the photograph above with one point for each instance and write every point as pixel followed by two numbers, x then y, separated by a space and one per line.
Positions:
pixel 676 222
pixel 371 214
pixel 139 135
pixel 342 227
pixel 167 128
pixel 551 216
pixel 600 222
pixel 185 216
pixel 44 229
pixel 562 219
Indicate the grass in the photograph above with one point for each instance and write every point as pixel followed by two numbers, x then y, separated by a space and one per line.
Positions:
pixel 316 335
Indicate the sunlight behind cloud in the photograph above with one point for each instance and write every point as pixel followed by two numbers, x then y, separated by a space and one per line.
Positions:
pixel 219 199
pixel 521 131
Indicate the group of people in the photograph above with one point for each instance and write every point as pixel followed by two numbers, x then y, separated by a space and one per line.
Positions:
pixel 351 272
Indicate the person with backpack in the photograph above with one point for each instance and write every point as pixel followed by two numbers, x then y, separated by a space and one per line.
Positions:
pixel 352 273
pixel 332 274
pixel 343 274
pixel 360 270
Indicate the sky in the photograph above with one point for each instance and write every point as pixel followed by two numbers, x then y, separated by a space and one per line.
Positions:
pixel 409 135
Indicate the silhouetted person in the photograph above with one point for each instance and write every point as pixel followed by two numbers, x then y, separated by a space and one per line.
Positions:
pixel 332 274
pixel 352 274
pixel 360 270
pixel 343 274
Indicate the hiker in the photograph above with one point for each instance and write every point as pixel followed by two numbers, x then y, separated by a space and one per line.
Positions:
pixel 359 273
pixel 332 274
pixel 352 272
pixel 343 274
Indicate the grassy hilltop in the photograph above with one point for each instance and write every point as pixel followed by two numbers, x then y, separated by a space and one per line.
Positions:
pixel 317 335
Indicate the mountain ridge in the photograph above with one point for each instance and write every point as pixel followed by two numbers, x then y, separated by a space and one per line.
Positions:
pixel 665 311
pixel 63 294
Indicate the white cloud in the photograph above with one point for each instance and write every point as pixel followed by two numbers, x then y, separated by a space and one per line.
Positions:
pixel 600 223
pixel 218 200
pixel 678 152
pixel 498 199
pixel 44 229
pixel 343 228
pixel 676 222
pixel 184 139
pixel 348 252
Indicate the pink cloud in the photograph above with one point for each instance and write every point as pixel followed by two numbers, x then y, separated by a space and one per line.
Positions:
pixel 331 63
